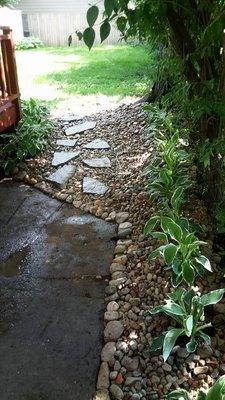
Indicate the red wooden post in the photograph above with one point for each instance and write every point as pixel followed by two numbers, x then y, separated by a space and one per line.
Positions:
pixel 10 106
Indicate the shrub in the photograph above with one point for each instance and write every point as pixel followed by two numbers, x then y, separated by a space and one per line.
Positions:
pixel 29 137
pixel 30 42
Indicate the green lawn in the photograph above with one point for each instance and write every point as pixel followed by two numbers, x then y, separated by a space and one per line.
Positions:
pixel 64 75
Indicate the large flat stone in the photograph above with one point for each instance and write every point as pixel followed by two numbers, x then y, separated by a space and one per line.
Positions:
pixel 62 175
pixel 93 186
pixel 62 157
pixel 97 144
pixel 80 128
pixel 102 162
pixel 66 142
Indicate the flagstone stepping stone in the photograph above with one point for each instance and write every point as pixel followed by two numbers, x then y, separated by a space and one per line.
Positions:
pixel 102 162
pixel 70 118
pixel 62 157
pixel 80 128
pixel 66 142
pixel 61 176
pixel 97 144
pixel 93 186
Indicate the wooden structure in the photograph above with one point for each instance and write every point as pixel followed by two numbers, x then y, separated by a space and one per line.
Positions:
pixel 10 111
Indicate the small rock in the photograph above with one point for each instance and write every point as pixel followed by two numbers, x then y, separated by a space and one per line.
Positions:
pixel 111 315
pixel 131 364
pixel 125 229
pixel 102 394
pixel 108 352
pixel 122 217
pixel 113 331
pixel 201 370
pixel 113 306
pixel 116 392
pixel 103 376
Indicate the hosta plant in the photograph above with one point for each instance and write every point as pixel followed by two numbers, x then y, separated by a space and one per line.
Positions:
pixel 169 170
pixel 216 392
pixel 181 248
pixel 187 309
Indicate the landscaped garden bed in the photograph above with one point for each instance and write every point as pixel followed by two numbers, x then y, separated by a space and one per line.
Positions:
pixel 129 369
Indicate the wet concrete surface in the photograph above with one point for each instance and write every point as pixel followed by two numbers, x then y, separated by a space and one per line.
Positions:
pixel 51 305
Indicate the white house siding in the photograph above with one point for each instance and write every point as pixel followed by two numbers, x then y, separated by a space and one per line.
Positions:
pixel 53 20
pixel 12 18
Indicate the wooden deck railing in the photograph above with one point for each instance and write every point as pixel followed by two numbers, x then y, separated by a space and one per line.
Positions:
pixel 10 110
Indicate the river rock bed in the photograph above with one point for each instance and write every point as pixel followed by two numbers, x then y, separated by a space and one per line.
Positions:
pixel 128 369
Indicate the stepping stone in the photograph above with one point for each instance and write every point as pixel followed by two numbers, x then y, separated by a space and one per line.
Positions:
pixel 93 186
pixel 102 162
pixel 80 128
pixel 66 142
pixel 97 144
pixel 61 176
pixel 70 118
pixel 62 157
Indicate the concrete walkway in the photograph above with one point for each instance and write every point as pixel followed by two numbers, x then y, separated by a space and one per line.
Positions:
pixel 51 304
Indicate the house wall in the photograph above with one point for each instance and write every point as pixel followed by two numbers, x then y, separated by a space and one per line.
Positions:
pixel 53 20
pixel 13 19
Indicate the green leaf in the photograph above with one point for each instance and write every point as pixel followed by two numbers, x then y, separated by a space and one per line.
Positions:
pixel 109 7
pixel 169 308
pixel 191 346
pixel 204 262
pixel 150 225
pixel 105 29
pixel 189 325
pixel 92 15
pixel 170 340
pixel 201 395
pixel 170 252
pixel 206 338
pixel 188 272
pixel 217 391
pixel 89 37
pixel 121 24
pixel 79 35
pixel 157 343
pixel 179 394
pixel 160 236
pixel 177 196
pixel 213 297
pixel 169 226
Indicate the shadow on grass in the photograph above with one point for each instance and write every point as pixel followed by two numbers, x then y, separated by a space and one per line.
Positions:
pixel 112 71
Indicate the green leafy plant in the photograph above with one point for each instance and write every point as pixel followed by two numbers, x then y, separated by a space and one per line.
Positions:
pixel 181 250
pixel 30 42
pixel 169 170
pixel 216 392
pixel 29 137
pixel 187 309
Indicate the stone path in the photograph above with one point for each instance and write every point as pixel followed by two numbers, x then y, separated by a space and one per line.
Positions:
pixel 53 262
pixel 61 176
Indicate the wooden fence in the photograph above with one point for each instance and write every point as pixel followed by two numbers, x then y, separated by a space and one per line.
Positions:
pixel 10 112
pixel 54 28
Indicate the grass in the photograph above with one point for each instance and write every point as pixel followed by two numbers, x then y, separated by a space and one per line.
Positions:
pixel 65 76
pixel 112 70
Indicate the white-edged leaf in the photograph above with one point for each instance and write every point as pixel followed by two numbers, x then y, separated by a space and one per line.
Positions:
pixel 213 297
pixel 170 307
pixel 204 262
pixel 150 225
pixel 188 272
pixel 189 325
pixel 171 227
pixel 191 346
pixel 157 343
pixel 170 340
pixel 170 252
